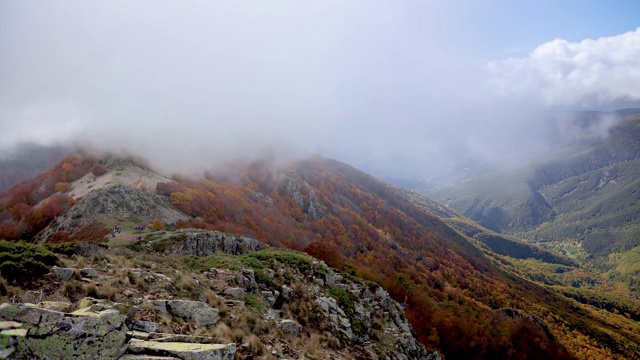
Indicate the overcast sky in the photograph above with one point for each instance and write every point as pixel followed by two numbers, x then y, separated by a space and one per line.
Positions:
pixel 406 88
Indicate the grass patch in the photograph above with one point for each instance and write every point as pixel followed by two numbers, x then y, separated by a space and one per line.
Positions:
pixel 253 303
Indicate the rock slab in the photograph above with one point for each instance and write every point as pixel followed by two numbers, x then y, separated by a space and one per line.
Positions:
pixel 55 335
pixel 184 351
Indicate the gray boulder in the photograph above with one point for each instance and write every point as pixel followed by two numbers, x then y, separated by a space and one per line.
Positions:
pixel 85 334
pixel 197 311
pixel 62 274
pixel 289 326
pixel 236 293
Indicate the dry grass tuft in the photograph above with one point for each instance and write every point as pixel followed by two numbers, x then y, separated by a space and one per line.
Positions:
pixel 253 345
pixel 187 284
pixel 92 291
pixel 312 346
pixel 108 292
pixel 222 331
pixel 216 302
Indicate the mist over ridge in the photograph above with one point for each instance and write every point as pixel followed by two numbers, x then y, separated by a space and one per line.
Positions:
pixel 390 88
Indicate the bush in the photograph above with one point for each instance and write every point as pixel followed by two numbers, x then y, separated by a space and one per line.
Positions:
pixel 66 248
pixel 157 225
pixel 25 262
pixel 253 303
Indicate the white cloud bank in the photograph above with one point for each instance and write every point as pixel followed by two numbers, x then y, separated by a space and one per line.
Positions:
pixel 563 74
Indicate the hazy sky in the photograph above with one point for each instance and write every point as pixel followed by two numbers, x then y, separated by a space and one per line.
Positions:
pixel 394 87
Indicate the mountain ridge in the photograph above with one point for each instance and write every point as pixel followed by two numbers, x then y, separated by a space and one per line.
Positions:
pixel 369 229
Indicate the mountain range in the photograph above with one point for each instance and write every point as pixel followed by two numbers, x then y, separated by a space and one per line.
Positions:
pixel 468 291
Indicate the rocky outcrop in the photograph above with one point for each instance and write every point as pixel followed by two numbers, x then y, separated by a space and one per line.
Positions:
pixel 90 333
pixel 201 243
pixel 100 331
pixel 116 200
pixel 353 307
pixel 303 194
pixel 355 312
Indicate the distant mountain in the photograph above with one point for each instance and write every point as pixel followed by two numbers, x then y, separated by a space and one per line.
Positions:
pixel 468 292
pixel 28 161
pixel 586 202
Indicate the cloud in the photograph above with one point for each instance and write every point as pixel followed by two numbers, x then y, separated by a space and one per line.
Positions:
pixel 587 74
pixel 391 87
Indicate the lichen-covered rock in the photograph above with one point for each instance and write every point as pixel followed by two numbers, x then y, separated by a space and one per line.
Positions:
pixel 11 333
pixel 184 351
pixel 100 304
pixel 144 326
pixel 62 306
pixel 235 292
pixel 55 335
pixel 197 311
pixel 62 274
pixel 89 273
pixel 289 326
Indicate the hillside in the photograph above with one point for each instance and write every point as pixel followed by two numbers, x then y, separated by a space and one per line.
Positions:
pixel 466 290
pixel 29 161
pixel 585 204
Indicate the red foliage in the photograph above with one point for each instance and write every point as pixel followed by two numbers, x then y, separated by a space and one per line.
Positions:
pixel 98 169
pixel 368 230
pixel 24 204
pixel 59 237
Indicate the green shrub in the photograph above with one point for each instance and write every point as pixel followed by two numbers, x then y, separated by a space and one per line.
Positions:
pixel 253 303
pixel 24 262
pixel 68 248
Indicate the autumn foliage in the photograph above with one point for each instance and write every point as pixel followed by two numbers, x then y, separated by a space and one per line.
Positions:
pixel 356 223
pixel 157 225
pixel 30 206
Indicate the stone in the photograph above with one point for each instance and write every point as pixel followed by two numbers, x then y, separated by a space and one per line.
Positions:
pixel 62 306
pixel 11 334
pixel 184 351
pixel 144 326
pixel 100 304
pixel 237 293
pixel 62 274
pixel 338 319
pixel 268 297
pixel 286 292
pixel 197 311
pixel 210 242
pixel 247 279
pixel 289 326
pixel 146 357
pixel 89 272
pixel 51 334
pixel 6 325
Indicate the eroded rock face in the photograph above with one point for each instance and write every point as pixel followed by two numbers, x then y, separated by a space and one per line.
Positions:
pixel 303 194
pixel 89 333
pixel 211 242
pixel 116 200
